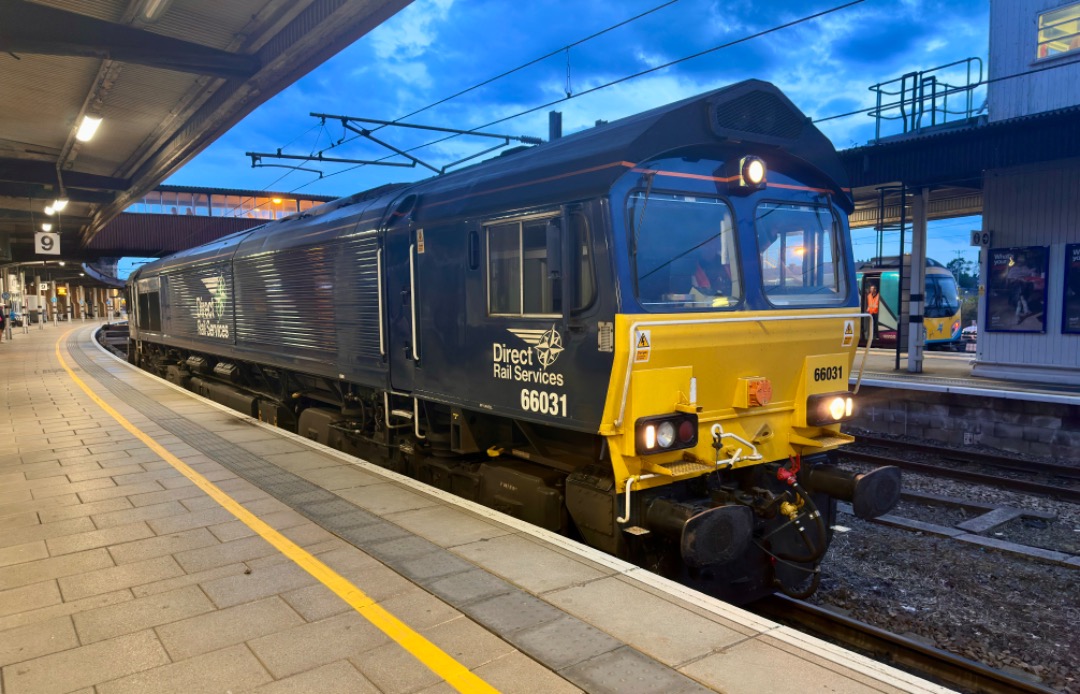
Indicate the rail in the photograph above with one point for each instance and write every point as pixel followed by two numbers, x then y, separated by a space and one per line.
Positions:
pixel 927 661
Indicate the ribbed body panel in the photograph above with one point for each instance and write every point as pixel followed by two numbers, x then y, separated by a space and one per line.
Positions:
pixel 318 302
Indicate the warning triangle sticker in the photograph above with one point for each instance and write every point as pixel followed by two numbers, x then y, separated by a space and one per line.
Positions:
pixel 643 341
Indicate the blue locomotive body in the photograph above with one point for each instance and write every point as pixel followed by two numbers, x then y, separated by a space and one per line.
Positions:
pixel 470 329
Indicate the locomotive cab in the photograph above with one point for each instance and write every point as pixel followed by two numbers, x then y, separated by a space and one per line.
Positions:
pixel 734 343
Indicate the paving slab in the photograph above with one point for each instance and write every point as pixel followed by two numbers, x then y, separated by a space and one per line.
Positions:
pixel 86 666
pixel 311 645
pixel 140 613
pixel 340 677
pixel 228 670
pixel 223 628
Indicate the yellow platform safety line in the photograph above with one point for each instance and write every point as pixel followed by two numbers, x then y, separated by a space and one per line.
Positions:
pixel 454 673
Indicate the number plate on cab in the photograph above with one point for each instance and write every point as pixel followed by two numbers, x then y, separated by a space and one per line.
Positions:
pixel 826 373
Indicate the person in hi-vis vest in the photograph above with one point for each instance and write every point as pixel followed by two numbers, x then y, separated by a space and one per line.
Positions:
pixel 873 304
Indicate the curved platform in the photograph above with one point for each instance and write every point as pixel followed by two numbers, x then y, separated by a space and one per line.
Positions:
pixel 153 541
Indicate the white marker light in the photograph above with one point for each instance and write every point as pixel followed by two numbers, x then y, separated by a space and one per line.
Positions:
pixel 650 437
pixel 46 226
pixel 50 211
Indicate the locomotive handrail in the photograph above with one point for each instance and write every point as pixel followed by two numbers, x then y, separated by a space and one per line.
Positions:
pixel 710 321
pixel 412 300
pixel 379 284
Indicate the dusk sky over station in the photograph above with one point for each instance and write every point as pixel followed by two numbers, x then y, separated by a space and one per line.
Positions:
pixel 434 49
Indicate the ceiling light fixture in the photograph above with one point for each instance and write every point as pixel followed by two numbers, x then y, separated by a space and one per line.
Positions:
pixel 151 10
pixel 45 226
pixel 87 128
pixel 50 211
pixel 59 204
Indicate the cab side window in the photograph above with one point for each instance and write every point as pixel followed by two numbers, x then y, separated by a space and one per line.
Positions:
pixel 518 279
pixel 581 257
pixel 149 306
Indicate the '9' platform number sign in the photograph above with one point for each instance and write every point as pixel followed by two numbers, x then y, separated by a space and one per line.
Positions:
pixel 46 244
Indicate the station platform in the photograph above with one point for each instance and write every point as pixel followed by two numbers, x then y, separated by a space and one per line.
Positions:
pixel 947 403
pixel 151 541
pixel 951 372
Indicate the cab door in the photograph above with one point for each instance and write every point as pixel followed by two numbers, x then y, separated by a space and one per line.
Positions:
pixel 399 271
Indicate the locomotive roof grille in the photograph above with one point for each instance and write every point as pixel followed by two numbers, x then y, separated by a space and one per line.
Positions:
pixel 760 113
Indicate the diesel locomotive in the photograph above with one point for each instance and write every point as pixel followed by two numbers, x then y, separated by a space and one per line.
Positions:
pixel 640 335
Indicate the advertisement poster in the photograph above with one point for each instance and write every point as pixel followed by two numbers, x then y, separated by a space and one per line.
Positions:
pixel 1016 300
pixel 1070 321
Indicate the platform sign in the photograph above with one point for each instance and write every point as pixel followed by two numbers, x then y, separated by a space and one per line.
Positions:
pixel 6 295
pixel 46 243
pixel 980 238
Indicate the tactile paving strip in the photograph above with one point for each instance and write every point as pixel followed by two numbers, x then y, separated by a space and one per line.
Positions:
pixel 580 653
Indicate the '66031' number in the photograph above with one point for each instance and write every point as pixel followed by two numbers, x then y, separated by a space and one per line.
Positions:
pixel 828 373
pixel 544 403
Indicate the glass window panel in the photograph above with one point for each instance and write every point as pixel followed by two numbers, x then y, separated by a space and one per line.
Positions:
pixel 581 244
pixel 1059 31
pixel 685 252
pixel 539 290
pixel 168 203
pixel 504 268
pixel 799 255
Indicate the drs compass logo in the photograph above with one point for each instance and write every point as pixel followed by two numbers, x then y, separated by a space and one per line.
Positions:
pixel 530 362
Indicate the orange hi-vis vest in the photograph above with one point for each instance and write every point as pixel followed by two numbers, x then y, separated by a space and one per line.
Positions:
pixel 872 301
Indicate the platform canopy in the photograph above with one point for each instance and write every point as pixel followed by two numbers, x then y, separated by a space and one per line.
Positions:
pixel 166 78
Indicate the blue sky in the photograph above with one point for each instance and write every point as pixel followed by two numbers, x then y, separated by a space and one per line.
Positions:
pixel 435 48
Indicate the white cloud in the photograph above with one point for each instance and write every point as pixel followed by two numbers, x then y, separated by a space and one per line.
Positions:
pixel 411 32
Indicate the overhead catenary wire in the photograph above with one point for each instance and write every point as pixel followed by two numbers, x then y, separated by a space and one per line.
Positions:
pixel 627 78
pixel 614 82
pixel 462 92
pixel 530 63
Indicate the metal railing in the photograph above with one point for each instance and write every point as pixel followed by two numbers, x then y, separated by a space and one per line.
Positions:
pixel 923 99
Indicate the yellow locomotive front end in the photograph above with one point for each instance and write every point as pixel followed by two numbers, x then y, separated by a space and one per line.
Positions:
pixel 730 377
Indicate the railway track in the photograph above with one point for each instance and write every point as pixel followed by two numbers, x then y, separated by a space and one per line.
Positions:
pixel 1066 484
pixel 908 654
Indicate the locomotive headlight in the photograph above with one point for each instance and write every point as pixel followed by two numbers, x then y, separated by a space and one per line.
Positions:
pixel 665 435
pixel 752 173
pixel 662 433
pixel 829 408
